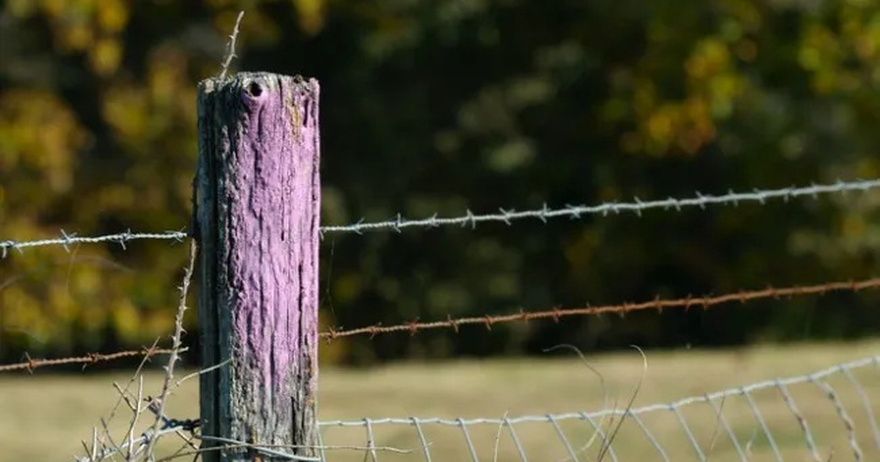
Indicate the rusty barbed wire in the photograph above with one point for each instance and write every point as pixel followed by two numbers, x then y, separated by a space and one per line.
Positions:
pixel 488 321
pixel 622 309
pixel 92 358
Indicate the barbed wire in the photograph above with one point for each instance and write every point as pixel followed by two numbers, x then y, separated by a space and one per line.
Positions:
pixel 503 216
pixel 68 239
pixel 92 358
pixel 555 314
pixel 637 206
pixel 488 321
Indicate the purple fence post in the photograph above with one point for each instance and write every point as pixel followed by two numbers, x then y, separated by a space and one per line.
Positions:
pixel 257 211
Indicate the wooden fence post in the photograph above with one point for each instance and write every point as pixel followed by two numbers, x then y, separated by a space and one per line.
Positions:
pixel 257 201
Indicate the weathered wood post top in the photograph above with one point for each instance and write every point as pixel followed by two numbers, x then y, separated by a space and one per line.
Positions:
pixel 257 221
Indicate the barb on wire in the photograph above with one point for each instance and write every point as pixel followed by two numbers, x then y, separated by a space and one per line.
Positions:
pixel 91 358
pixel 503 216
pixel 230 46
pixel 577 211
pixel 656 304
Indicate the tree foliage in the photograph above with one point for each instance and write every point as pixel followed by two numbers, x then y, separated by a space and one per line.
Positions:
pixel 437 107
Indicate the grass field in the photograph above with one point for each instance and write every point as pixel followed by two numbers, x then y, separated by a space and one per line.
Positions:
pixel 44 417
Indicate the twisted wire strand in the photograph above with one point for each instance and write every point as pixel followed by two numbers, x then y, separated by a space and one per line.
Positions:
pixel 502 216
pixel 68 239
pixel 92 358
pixel 637 206
pixel 414 327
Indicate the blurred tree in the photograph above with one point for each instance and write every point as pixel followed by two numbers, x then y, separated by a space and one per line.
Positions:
pixel 439 107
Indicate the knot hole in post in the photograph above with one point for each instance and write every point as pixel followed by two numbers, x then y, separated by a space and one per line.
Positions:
pixel 254 90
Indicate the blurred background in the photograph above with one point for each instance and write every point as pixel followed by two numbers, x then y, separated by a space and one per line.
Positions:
pixel 443 106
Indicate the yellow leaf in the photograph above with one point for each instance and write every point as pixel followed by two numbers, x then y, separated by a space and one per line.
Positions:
pixel 105 56
pixel 112 15
pixel 311 15
pixel 126 320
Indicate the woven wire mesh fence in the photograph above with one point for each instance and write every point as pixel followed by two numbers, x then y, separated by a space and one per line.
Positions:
pixel 824 416
pixel 827 415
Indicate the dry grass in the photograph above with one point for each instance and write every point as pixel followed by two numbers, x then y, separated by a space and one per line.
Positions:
pixel 43 417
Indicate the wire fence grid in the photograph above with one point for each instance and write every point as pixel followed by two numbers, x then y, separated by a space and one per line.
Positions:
pixel 822 416
pixel 637 206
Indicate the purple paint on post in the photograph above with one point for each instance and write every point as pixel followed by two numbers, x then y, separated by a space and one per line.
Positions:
pixel 267 210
